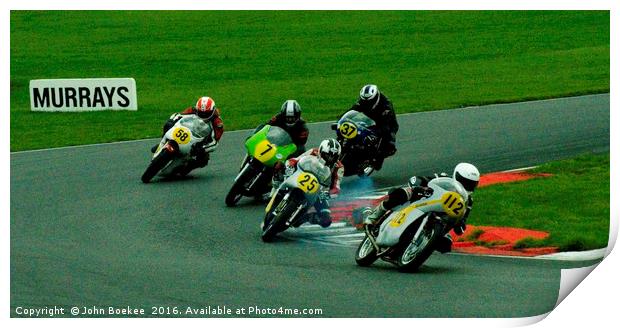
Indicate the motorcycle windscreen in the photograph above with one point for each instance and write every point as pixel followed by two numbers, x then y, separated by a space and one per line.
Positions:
pixel 200 129
pixel 279 138
pixel 354 125
pixel 270 145
pixel 360 119
pixel 394 226
pixel 314 165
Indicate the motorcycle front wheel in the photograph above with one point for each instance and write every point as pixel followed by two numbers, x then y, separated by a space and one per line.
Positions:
pixel 420 249
pixel 366 253
pixel 157 164
pixel 236 191
pixel 277 223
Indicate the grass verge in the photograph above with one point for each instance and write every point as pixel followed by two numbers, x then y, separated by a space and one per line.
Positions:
pixel 572 205
pixel 251 61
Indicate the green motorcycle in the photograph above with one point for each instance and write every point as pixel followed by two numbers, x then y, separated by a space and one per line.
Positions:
pixel 265 149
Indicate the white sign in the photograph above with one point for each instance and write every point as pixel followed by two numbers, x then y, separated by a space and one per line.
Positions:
pixel 74 95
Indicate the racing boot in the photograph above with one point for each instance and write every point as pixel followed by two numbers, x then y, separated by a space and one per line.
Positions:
pixel 377 164
pixel 367 171
pixel 195 163
pixel 322 218
pixel 444 244
pixel 375 215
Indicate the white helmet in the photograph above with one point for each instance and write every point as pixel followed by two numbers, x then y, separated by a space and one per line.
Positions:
pixel 369 95
pixel 467 175
pixel 329 151
pixel 291 111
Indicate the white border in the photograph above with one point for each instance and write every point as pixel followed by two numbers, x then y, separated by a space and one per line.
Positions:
pixel 315 5
pixel 593 302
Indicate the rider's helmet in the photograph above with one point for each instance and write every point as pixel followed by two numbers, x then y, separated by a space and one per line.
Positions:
pixel 205 107
pixel 291 111
pixel 329 151
pixel 467 175
pixel 369 96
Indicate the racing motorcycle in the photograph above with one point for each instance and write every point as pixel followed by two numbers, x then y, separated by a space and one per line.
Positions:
pixel 297 193
pixel 265 148
pixel 407 235
pixel 174 150
pixel 360 141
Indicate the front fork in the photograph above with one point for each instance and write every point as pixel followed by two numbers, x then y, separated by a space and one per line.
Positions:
pixel 293 217
pixel 169 146
pixel 371 237
pixel 300 206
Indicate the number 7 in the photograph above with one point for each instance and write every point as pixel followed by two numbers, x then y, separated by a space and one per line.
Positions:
pixel 269 147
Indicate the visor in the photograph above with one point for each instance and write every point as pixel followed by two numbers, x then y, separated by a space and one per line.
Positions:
pixel 469 185
pixel 329 158
pixel 290 120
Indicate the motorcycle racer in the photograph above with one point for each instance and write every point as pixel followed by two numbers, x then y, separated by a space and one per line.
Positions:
pixel 466 174
pixel 378 107
pixel 289 118
pixel 205 109
pixel 328 151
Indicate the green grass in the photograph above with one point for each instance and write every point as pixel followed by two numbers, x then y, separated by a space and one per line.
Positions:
pixel 572 205
pixel 250 62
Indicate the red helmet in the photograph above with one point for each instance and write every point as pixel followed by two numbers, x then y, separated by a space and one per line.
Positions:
pixel 205 107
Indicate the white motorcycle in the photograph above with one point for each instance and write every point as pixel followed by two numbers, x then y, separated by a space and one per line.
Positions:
pixel 174 151
pixel 407 235
pixel 297 193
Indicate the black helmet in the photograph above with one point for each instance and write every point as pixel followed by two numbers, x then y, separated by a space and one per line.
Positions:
pixel 369 96
pixel 291 111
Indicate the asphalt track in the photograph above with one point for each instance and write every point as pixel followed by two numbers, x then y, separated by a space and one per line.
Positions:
pixel 86 232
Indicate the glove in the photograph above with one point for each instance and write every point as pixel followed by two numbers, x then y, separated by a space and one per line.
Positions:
pixel 460 229
pixel 324 196
pixel 419 192
pixel 370 140
pixel 289 170
pixel 175 116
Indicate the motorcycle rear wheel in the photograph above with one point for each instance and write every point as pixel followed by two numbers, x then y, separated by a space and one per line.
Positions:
pixel 156 165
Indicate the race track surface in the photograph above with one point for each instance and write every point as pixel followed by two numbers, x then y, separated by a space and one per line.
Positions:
pixel 86 232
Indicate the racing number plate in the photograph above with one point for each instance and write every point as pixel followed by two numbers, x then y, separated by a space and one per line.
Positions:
pixel 453 205
pixel 181 135
pixel 264 151
pixel 348 130
pixel 308 183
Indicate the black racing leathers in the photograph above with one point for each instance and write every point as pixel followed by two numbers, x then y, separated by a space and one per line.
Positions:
pixel 385 117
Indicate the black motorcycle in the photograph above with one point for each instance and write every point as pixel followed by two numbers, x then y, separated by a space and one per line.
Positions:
pixel 358 135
